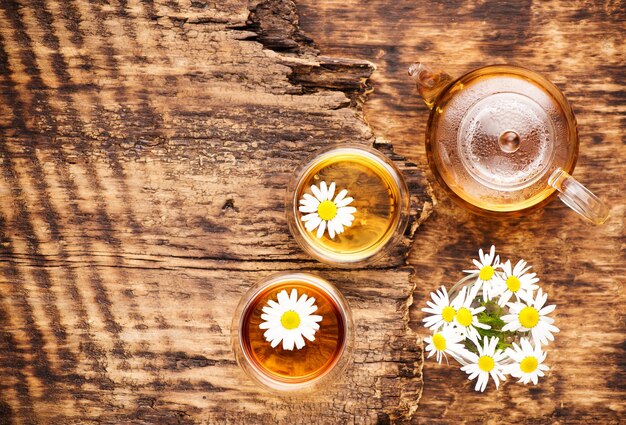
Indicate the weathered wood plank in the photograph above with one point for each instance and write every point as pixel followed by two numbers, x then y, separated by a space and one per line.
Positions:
pixel 176 359
pixel 146 147
pixel 579 46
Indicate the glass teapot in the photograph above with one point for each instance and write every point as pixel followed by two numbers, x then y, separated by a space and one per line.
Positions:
pixel 502 140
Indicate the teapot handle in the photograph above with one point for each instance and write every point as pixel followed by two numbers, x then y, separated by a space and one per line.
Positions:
pixel 429 83
pixel 578 197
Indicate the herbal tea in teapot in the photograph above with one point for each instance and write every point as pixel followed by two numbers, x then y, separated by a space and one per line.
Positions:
pixel 502 139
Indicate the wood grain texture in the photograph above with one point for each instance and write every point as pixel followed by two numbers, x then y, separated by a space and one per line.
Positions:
pixel 145 149
pixel 579 45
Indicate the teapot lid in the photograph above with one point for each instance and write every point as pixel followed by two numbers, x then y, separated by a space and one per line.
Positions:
pixel 506 139
pixel 500 132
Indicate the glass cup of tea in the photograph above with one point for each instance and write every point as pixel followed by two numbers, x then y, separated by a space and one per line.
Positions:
pixel 502 140
pixel 347 205
pixel 293 333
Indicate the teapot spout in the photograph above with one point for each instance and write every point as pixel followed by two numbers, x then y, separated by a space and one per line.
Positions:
pixel 429 83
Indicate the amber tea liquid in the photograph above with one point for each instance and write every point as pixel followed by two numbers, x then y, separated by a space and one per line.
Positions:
pixel 316 358
pixel 376 194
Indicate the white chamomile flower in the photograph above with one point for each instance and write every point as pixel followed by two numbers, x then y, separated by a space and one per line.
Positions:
pixel 528 364
pixel 445 341
pixel 442 313
pixel 466 318
pixel 486 271
pixel 488 362
pixel 516 282
pixel 531 316
pixel 290 319
pixel 325 213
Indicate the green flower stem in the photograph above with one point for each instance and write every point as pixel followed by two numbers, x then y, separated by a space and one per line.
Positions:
pixel 492 316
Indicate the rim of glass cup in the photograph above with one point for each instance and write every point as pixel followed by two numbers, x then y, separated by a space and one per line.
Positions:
pixel 355 259
pixel 274 385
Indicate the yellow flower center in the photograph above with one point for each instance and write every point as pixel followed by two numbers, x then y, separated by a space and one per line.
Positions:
pixel 529 364
pixel 327 210
pixel 439 342
pixel 290 320
pixel 486 363
pixel 513 283
pixel 448 314
pixel 486 273
pixel 464 317
pixel 528 317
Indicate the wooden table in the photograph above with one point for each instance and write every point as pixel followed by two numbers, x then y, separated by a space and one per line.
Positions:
pixel 145 149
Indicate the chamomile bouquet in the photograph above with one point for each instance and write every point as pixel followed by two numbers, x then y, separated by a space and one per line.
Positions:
pixel 494 322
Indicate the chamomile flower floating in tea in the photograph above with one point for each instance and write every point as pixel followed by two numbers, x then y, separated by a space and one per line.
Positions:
pixel 444 341
pixel 515 282
pixel 488 362
pixel 486 271
pixel 347 205
pixel 485 333
pixel 532 316
pixel 293 331
pixel 528 360
pixel 290 320
pixel 325 213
